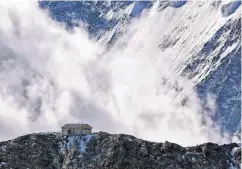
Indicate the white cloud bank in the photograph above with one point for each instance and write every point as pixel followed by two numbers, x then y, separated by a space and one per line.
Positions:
pixel 49 76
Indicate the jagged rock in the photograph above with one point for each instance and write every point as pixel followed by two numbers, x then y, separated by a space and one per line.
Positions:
pixel 102 150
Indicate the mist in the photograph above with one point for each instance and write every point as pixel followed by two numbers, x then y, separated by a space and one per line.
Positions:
pixel 51 76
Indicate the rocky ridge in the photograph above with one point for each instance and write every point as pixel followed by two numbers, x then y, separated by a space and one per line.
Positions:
pixel 112 151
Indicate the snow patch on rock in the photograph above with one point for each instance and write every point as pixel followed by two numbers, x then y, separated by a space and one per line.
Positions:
pixel 233 153
pixel 3 148
pixel 2 164
pixel 79 142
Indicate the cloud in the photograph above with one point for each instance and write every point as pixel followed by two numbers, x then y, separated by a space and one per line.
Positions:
pixel 50 76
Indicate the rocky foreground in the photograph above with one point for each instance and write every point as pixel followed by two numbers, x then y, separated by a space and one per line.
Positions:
pixel 106 151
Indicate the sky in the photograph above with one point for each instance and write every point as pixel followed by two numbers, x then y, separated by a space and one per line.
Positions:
pixel 50 76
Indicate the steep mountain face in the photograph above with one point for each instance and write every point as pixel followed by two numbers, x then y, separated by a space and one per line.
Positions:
pixel 220 62
pixel 103 150
pixel 203 42
pixel 144 68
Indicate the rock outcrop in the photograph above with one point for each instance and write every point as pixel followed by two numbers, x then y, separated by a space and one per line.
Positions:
pixel 105 151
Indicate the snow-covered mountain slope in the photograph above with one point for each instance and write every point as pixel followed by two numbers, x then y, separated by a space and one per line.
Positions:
pixel 97 16
pixel 142 68
pixel 201 40
pixel 224 67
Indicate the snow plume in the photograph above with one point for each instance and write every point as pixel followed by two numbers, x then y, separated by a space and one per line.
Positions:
pixel 50 76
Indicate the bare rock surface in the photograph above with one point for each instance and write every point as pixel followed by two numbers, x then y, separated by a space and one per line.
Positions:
pixel 112 151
